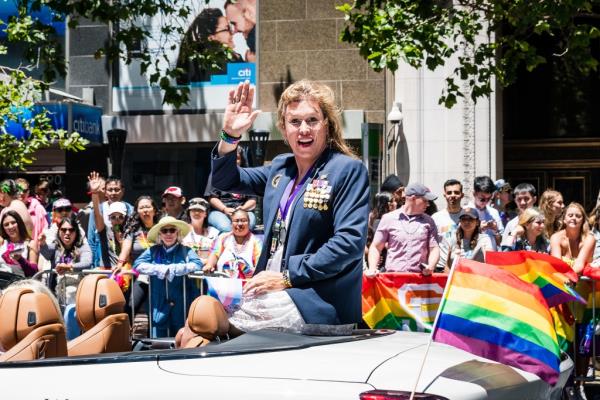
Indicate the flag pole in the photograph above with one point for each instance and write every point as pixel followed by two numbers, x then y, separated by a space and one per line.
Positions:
pixel 414 389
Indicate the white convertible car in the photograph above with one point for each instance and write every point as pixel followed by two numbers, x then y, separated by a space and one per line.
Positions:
pixel 273 365
pixel 361 364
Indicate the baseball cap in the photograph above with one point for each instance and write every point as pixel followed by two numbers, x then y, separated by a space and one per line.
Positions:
pixel 418 189
pixel 117 207
pixel 61 203
pixel 173 190
pixel 502 185
pixel 198 203
pixel 391 184
pixel 469 212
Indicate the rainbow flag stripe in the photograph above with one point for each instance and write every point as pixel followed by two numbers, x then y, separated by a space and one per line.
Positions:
pixel 402 301
pixel 549 273
pixel 492 313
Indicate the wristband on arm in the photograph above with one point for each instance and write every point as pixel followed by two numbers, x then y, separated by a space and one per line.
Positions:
pixel 227 138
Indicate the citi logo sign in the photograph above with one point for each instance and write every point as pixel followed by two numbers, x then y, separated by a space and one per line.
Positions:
pixel 86 127
pixel 244 73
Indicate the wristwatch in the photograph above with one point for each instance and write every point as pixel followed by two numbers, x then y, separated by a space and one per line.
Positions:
pixel 286 279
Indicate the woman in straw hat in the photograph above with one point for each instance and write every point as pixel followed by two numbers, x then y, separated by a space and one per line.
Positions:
pixel 166 263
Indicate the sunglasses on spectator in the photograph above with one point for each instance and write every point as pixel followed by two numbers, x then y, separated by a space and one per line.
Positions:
pixel 67 230
pixel 62 209
pixel 168 230
pixel 484 199
pixel 117 217
pixel 240 221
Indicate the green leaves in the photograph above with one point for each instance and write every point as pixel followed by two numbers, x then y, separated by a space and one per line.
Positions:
pixel 131 32
pixel 431 32
pixel 18 93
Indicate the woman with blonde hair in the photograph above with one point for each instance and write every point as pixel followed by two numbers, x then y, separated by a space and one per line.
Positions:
pixel 552 206
pixel 575 245
pixel 315 211
pixel 529 233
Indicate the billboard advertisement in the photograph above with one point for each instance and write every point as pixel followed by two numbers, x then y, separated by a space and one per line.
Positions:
pixel 216 23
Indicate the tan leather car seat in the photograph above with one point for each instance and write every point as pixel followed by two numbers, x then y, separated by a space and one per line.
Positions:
pixel 99 307
pixel 206 320
pixel 30 326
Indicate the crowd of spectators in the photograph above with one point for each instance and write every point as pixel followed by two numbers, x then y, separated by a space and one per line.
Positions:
pixel 216 233
pixel 404 238
pixel 152 242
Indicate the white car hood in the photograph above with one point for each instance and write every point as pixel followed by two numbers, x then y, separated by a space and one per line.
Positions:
pixel 388 362
pixel 334 362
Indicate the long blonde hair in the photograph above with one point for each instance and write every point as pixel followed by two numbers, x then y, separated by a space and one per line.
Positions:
pixel 322 94
pixel 552 223
pixel 585 227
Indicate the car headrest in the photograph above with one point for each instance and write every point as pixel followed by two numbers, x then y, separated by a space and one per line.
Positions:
pixel 208 318
pixel 22 311
pixel 97 298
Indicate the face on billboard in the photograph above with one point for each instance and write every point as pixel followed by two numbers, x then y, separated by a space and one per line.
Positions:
pixel 206 29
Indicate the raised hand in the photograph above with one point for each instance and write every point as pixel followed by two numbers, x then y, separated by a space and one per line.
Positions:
pixel 239 116
pixel 95 182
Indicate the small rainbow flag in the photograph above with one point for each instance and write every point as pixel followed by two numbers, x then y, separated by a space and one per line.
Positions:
pixel 550 274
pixel 492 313
pixel 227 290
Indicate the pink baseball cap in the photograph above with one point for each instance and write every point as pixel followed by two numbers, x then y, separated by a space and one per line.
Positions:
pixel 173 190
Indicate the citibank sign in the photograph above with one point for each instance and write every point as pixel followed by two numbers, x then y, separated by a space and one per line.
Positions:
pixel 73 117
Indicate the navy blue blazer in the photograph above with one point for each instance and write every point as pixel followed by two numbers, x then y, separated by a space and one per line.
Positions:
pixel 324 249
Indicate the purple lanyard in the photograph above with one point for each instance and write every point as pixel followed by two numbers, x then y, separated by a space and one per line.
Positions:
pixel 287 199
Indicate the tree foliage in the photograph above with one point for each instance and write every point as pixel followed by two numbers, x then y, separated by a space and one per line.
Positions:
pixel 18 94
pixel 41 47
pixel 130 35
pixel 490 38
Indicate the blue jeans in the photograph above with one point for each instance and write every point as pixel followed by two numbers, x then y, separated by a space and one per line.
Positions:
pixel 222 222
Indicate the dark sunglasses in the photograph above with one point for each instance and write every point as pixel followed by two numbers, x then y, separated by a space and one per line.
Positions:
pixel 118 216
pixel 168 230
pixel 67 230
pixel 63 209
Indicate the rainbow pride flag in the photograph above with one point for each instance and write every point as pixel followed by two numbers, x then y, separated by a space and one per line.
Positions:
pixel 492 313
pixel 402 301
pixel 549 273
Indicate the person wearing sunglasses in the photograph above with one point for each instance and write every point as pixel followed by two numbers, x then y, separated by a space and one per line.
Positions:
pixel 490 221
pixel 61 209
pixel 210 30
pixel 67 251
pixel 166 262
pixel 315 210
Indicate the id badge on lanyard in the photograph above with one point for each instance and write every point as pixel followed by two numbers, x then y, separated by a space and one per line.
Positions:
pixel 279 232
